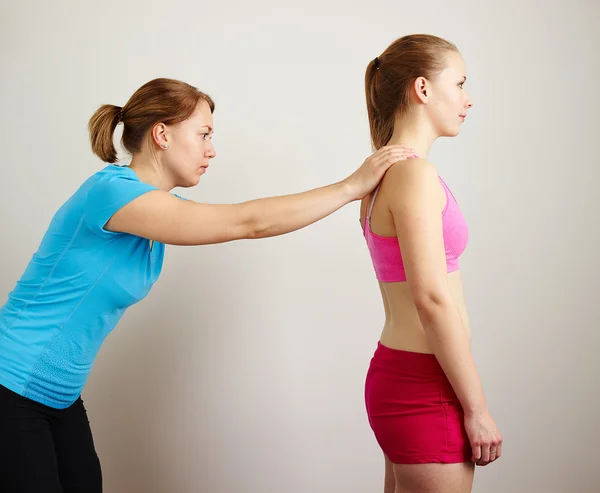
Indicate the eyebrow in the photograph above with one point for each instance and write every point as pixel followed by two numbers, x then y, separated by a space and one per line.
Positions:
pixel 210 129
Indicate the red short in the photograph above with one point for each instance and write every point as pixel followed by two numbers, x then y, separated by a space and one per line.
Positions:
pixel 413 410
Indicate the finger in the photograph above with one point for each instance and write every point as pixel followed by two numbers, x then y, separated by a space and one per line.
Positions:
pixel 476 453
pixel 395 149
pixel 398 146
pixel 389 148
pixel 388 160
pixel 485 453
pixel 389 153
pixel 400 149
pixel 404 152
pixel 380 155
pixel 394 156
pixel 381 150
pixel 493 454
pixel 499 450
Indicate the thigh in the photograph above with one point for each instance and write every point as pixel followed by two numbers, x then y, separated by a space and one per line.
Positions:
pixel 434 478
pixel 389 481
pixel 78 464
pixel 28 461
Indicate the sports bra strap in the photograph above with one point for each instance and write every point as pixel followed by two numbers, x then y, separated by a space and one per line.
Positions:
pixel 370 211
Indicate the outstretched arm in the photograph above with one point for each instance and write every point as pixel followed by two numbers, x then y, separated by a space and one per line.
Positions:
pixel 158 215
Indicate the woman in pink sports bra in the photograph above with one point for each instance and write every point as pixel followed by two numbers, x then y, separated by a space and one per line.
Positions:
pixel 423 395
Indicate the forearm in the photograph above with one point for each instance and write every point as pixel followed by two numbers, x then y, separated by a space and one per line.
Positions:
pixel 274 216
pixel 450 344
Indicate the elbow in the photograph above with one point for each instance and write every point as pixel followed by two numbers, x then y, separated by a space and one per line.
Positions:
pixel 251 225
pixel 255 231
pixel 430 302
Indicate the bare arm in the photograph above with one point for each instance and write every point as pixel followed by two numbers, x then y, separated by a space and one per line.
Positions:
pixel 160 216
pixel 417 218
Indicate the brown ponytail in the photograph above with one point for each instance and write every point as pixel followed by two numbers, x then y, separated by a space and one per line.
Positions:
pixel 389 77
pixel 161 100
pixel 102 127
pixel 381 118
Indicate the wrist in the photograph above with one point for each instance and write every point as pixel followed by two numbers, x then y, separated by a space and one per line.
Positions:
pixel 475 410
pixel 348 190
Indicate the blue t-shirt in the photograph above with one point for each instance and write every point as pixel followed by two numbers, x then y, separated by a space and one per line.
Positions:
pixel 74 291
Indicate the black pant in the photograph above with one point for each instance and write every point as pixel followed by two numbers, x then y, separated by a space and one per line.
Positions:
pixel 46 450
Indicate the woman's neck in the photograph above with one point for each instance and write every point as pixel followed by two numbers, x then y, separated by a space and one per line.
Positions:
pixel 414 133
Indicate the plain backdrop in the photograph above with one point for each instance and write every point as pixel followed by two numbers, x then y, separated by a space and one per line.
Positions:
pixel 243 370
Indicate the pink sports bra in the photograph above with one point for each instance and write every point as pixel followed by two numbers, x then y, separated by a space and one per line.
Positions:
pixel 385 250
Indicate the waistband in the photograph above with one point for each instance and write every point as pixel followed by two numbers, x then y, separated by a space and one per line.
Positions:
pixel 402 360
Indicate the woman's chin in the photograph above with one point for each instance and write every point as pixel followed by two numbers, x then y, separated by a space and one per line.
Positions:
pixel 452 132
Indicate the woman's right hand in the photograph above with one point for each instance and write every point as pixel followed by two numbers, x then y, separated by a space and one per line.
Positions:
pixel 368 176
pixel 484 437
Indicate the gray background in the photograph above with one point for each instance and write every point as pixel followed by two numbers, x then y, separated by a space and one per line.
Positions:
pixel 243 371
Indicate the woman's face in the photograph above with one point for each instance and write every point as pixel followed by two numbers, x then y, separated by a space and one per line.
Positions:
pixel 447 99
pixel 189 146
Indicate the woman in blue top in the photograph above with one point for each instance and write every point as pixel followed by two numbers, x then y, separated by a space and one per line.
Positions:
pixel 102 253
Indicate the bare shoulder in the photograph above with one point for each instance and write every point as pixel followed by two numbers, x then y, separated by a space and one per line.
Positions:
pixel 411 176
pixel 411 169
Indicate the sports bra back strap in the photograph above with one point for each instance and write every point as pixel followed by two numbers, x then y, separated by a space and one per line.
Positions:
pixel 372 204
